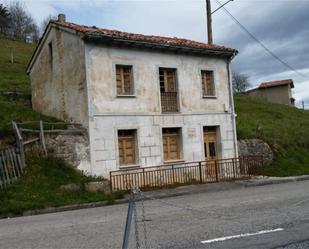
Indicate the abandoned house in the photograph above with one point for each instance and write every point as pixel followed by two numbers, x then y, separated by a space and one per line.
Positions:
pixel 279 91
pixel 144 100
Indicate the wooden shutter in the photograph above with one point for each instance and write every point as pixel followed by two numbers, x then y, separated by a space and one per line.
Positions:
pixel 124 80
pixel 171 146
pixel 167 80
pixel 208 83
pixel 126 147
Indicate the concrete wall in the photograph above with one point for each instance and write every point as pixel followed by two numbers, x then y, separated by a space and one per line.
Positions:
pixel 60 90
pixel 108 113
pixel 278 94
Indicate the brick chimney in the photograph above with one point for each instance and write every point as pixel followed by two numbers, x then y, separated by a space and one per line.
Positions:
pixel 61 18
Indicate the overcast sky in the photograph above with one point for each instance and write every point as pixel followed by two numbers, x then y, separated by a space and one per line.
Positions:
pixel 282 25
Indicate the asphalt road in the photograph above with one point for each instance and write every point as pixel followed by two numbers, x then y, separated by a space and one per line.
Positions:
pixel 273 216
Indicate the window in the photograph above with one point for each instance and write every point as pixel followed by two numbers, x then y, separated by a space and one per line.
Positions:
pixel 50 49
pixel 171 144
pixel 168 89
pixel 208 85
pixel 167 79
pixel 127 147
pixel 124 80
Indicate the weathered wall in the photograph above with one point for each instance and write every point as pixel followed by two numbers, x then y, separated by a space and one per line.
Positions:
pixel 278 94
pixel 108 113
pixel 60 89
pixel 72 148
pixel 104 144
pixel 101 62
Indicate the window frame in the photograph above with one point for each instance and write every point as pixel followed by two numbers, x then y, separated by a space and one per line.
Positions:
pixel 175 71
pixel 136 151
pixel 132 93
pixel 214 96
pixel 216 129
pixel 180 148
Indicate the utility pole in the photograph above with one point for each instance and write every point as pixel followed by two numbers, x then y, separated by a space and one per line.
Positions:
pixel 209 24
pixel 209 19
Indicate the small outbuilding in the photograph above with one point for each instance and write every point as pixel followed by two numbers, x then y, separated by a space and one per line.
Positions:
pixel 278 91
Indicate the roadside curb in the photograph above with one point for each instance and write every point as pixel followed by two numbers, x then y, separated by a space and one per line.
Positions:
pixel 272 180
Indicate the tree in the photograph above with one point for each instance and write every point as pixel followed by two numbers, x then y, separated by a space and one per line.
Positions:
pixel 45 22
pixel 4 19
pixel 22 26
pixel 240 82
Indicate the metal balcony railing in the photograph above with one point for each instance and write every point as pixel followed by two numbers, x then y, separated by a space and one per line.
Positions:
pixel 169 102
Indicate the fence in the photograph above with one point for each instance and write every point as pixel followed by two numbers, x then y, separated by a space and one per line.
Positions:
pixel 186 173
pixel 11 166
pixel 13 161
pixel 39 129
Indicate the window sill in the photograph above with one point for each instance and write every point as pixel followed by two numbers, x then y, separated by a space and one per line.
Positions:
pixel 169 113
pixel 126 96
pixel 209 97
pixel 174 161
pixel 129 166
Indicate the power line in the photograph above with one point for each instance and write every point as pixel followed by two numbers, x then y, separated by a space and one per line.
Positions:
pixel 261 44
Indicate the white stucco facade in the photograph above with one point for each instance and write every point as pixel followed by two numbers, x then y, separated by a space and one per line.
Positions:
pixel 142 112
pixel 74 79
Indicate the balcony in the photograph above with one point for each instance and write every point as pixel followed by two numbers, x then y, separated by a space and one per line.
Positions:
pixel 169 102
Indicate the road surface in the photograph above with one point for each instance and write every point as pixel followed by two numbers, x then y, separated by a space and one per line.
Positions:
pixel 273 216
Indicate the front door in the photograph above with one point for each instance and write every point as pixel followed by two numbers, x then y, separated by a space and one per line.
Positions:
pixel 210 143
pixel 210 148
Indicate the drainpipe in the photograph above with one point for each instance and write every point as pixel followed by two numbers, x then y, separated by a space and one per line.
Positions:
pixel 233 114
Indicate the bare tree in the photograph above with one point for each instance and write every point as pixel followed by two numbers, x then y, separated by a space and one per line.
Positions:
pixel 45 22
pixel 22 26
pixel 4 19
pixel 240 82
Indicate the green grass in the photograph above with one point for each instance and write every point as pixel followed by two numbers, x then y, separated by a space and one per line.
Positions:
pixel 13 110
pixel 13 76
pixel 284 128
pixel 39 187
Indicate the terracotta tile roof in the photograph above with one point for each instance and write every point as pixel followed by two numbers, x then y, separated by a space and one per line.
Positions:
pixel 276 83
pixel 163 41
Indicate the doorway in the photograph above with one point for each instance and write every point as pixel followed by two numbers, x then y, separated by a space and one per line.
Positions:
pixel 210 142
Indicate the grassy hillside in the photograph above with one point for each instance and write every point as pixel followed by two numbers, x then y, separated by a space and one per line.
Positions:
pixel 40 187
pixel 286 129
pixel 14 78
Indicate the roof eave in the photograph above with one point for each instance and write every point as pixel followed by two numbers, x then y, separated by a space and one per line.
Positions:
pixel 115 40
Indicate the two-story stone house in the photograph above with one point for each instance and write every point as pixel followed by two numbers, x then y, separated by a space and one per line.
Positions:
pixel 145 100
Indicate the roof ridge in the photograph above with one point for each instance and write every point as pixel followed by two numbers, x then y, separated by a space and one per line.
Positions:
pixel 142 37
